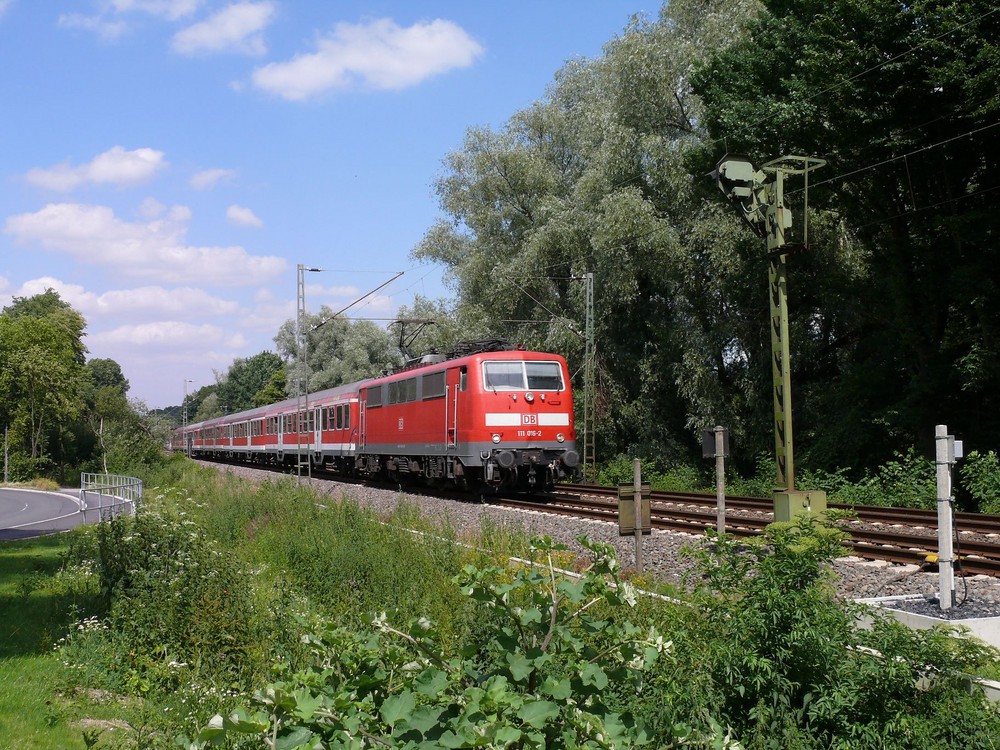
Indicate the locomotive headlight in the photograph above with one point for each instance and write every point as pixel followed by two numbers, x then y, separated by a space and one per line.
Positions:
pixel 529 397
pixel 560 438
pixel 496 437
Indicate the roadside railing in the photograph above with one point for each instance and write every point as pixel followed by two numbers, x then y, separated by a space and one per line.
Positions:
pixel 110 494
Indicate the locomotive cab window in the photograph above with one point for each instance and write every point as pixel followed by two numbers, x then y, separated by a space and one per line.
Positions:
pixel 544 376
pixel 523 376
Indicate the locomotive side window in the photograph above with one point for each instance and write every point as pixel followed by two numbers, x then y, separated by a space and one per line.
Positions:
pixel 403 391
pixel 373 396
pixel 544 376
pixel 433 385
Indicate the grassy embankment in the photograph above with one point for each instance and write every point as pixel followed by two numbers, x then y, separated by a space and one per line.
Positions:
pixel 229 569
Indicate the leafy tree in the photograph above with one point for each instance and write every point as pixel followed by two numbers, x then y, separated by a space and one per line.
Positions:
pixel 274 390
pixel 337 351
pixel 593 179
pixel 50 306
pixel 444 329
pixel 107 373
pixel 209 407
pixel 194 402
pixel 41 370
pixel 894 97
pixel 238 388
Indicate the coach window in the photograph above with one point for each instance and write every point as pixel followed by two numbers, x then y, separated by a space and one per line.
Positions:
pixel 347 416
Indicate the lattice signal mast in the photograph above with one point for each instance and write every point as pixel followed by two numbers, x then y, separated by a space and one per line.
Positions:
pixel 760 196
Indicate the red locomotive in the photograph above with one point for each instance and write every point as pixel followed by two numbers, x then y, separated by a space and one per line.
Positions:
pixel 495 418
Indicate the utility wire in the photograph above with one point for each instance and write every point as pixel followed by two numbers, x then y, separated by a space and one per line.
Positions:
pixel 875 165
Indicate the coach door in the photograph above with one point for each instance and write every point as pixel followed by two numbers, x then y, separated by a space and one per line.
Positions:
pixel 362 421
pixel 456 384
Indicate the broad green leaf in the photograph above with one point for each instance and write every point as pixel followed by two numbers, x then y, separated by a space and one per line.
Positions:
pixel 537 713
pixel 397 707
pixel 241 721
pixel 298 738
pixel 424 718
pixel 431 682
pixel 591 674
pixel 506 735
pixel 306 704
pixel 558 689
pixel 520 667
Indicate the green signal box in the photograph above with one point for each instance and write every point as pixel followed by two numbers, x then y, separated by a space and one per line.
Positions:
pixel 789 504
pixel 626 509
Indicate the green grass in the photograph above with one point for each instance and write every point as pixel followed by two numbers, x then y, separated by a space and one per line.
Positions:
pixel 36 606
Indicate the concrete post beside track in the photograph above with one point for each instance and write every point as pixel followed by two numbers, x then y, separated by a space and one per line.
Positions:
pixel 946 571
pixel 637 484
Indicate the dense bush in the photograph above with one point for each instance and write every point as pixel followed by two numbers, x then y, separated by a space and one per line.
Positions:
pixel 771 653
pixel 676 477
pixel 538 681
pixel 763 655
pixel 907 481
pixel 980 474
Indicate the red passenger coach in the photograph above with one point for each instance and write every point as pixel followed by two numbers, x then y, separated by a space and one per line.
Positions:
pixel 494 419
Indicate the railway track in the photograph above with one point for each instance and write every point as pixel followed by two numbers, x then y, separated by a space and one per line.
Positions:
pixel 898 535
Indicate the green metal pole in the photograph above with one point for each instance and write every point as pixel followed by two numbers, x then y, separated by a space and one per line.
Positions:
pixel 781 375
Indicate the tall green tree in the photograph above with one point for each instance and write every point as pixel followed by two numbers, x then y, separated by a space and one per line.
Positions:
pixel 107 373
pixel 897 98
pixel 41 371
pixel 238 388
pixel 593 179
pixel 336 351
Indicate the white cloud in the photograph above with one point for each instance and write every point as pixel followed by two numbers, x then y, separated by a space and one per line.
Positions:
pixel 209 178
pixel 379 55
pixel 235 28
pixel 110 23
pixel 243 217
pixel 168 333
pixel 152 249
pixel 151 208
pixel 145 302
pixel 115 166
pixel 108 29
pixel 169 9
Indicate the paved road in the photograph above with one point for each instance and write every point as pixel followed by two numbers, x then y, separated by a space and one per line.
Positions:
pixel 26 513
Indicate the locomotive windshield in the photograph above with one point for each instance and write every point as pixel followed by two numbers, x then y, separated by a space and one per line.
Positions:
pixel 523 376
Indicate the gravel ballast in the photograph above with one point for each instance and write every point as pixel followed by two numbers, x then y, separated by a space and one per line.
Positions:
pixel 976 596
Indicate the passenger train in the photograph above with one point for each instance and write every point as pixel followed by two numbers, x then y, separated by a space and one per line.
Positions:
pixel 487 418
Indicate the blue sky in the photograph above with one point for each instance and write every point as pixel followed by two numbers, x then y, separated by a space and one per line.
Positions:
pixel 166 164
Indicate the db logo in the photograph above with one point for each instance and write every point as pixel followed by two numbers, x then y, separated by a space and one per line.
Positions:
pixel 529 419
pixel 400 424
